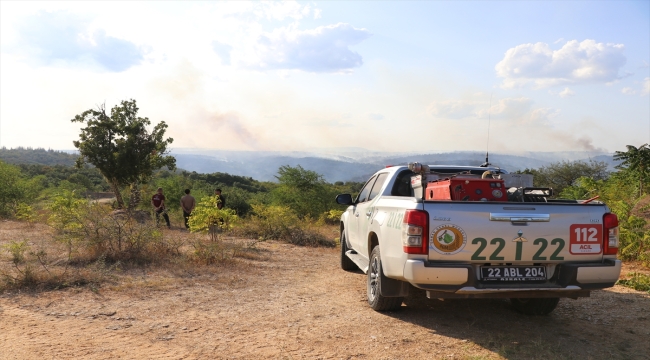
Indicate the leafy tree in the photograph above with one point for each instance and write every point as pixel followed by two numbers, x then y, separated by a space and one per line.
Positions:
pixel 121 147
pixel 560 175
pixel 304 191
pixel 636 160
pixel 12 190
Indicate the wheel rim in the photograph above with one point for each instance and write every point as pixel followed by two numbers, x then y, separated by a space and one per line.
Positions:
pixel 373 279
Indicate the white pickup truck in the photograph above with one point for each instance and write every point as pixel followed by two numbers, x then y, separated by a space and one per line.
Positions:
pixel 457 233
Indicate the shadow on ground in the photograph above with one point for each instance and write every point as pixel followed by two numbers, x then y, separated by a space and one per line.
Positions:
pixel 588 328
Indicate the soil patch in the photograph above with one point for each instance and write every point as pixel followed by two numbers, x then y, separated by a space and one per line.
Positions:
pixel 295 302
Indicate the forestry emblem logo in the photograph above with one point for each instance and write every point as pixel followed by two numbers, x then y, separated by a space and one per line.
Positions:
pixel 448 239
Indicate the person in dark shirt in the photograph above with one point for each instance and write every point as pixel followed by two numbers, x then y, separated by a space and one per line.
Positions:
pixel 222 201
pixel 158 203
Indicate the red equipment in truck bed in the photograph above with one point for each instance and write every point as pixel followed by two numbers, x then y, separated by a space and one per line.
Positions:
pixel 466 190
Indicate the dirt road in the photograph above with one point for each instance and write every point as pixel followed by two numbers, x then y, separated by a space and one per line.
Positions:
pixel 294 302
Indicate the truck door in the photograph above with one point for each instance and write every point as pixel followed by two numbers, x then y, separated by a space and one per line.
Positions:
pixel 367 212
pixel 353 231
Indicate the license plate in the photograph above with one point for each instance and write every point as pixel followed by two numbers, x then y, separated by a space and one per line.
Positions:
pixel 513 273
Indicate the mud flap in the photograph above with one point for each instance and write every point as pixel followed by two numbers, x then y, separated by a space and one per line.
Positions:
pixel 393 288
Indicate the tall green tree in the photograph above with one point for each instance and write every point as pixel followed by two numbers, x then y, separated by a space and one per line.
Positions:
pixel 560 175
pixel 636 160
pixel 121 147
pixel 304 191
pixel 12 189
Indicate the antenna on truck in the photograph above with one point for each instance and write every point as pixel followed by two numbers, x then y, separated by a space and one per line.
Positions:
pixel 487 146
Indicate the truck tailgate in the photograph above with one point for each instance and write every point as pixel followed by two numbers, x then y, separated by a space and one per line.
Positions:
pixel 515 233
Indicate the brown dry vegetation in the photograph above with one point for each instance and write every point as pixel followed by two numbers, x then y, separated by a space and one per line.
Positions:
pixel 278 300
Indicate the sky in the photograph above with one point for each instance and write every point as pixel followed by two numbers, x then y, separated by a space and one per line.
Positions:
pixel 396 76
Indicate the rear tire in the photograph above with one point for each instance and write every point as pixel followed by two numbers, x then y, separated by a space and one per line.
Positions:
pixel 375 299
pixel 535 306
pixel 346 263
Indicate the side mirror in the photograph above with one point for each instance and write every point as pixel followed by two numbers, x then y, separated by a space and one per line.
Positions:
pixel 344 199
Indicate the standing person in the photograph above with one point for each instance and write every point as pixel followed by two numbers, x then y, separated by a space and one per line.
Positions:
pixel 158 203
pixel 187 203
pixel 222 201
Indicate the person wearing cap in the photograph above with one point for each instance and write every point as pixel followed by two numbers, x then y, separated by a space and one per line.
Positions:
pixel 158 203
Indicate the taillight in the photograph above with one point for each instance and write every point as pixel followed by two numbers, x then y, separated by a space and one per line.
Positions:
pixel 610 229
pixel 415 228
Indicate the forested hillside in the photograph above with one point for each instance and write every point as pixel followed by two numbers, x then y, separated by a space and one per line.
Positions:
pixel 21 155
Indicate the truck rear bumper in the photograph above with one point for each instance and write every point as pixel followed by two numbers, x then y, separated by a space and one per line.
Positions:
pixel 599 274
pixel 416 272
pixel 462 280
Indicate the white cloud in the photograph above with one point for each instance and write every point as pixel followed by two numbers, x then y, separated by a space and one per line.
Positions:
pixel 566 93
pixel 223 51
pixel 628 91
pixel 516 110
pixel 575 63
pixel 646 86
pixel 280 10
pixel 376 117
pixel 324 49
pixel 60 37
pixel 453 109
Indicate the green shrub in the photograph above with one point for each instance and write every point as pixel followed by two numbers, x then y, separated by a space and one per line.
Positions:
pixel 14 189
pixel 637 281
pixel 215 251
pixel 25 212
pixel 274 222
pixel 331 217
pixel 96 230
pixel 30 267
pixel 17 251
pixel 208 219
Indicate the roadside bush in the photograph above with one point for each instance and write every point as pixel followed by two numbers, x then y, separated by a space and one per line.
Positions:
pixel 331 217
pixel 32 267
pixel 215 251
pixel 25 212
pixel 634 236
pixel 274 222
pixel 620 193
pixel 637 281
pixel 92 229
pixel 208 219
pixel 14 189
pixel 23 273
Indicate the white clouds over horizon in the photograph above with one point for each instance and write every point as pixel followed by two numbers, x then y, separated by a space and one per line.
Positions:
pixel 574 63
pixel 566 93
pixel 323 49
pixel 64 38
pixel 285 75
pixel 515 110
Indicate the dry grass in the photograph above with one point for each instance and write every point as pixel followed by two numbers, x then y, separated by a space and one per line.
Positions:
pixel 43 259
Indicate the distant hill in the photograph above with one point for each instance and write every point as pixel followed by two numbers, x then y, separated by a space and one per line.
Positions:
pixel 264 168
pixel 345 165
pixel 39 156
